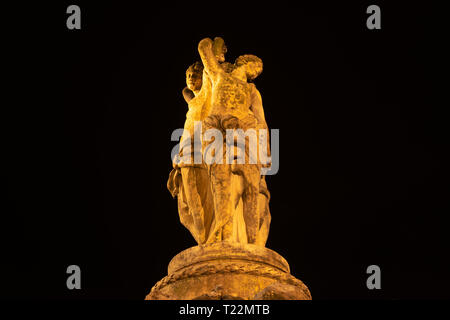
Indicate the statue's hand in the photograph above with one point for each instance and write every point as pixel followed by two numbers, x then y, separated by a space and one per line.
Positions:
pixel 205 43
pixel 219 43
pixel 219 49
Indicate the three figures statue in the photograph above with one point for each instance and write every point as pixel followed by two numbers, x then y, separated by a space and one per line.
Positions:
pixel 223 200
pixel 221 189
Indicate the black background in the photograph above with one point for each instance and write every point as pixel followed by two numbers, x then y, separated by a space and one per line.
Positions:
pixel 363 173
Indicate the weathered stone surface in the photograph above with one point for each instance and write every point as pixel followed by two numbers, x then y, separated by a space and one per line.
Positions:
pixel 226 201
pixel 228 271
pixel 225 204
pixel 230 251
pixel 282 291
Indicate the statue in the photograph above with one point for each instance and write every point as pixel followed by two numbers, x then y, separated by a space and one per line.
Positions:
pixel 190 181
pixel 224 203
pixel 236 193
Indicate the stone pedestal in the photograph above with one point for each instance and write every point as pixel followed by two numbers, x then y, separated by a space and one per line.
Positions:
pixel 224 270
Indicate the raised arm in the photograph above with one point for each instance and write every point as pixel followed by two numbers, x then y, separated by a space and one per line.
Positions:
pixel 258 111
pixel 188 95
pixel 209 60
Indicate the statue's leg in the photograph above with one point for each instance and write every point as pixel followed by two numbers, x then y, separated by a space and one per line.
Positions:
pixel 227 231
pixel 264 218
pixel 206 198
pixel 220 175
pixel 250 200
pixel 264 213
pixel 234 230
pixel 192 187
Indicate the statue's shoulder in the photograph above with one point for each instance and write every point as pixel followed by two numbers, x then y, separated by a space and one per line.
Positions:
pixel 227 67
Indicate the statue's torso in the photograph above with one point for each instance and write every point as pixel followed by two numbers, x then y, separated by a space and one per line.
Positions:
pixel 199 106
pixel 230 96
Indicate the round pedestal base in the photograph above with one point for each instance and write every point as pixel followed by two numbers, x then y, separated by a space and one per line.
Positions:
pixel 226 270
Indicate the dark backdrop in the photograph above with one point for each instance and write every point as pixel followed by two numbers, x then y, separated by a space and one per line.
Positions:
pixel 363 173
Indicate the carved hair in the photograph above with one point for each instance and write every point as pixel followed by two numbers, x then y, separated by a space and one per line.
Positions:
pixel 196 67
pixel 247 58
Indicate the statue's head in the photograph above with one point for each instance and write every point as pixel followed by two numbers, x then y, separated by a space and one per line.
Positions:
pixel 194 76
pixel 252 65
pixel 219 49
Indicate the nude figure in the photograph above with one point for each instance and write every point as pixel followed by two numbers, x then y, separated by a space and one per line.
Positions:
pixel 234 104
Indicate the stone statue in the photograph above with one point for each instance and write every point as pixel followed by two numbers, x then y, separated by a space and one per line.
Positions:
pixel 224 203
pixel 232 99
pixel 190 181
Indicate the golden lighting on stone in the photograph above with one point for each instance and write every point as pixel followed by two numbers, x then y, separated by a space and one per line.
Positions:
pixel 224 206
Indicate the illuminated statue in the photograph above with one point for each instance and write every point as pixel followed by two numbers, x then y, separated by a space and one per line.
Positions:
pixel 218 179
pixel 229 201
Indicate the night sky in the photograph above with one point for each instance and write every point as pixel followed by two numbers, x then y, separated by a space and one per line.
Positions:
pixel 364 174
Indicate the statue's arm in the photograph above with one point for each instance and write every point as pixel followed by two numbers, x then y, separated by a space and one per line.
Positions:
pixel 209 60
pixel 257 107
pixel 258 110
pixel 187 94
